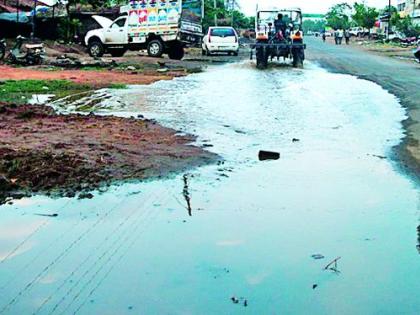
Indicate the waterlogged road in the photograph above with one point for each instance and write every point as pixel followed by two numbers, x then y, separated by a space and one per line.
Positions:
pixel 245 243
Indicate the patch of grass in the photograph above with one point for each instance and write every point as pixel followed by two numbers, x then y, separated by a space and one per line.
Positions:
pixel 19 92
pixel 118 86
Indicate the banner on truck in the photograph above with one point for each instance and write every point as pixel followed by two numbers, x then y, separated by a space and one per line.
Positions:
pixel 158 16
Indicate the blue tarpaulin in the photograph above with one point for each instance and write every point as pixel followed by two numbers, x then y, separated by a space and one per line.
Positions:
pixel 12 17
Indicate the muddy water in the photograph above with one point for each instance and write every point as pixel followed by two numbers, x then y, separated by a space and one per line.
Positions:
pixel 243 229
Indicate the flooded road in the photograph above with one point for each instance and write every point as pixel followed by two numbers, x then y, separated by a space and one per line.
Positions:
pixel 243 236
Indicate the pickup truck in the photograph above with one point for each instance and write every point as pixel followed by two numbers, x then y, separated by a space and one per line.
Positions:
pixel 160 26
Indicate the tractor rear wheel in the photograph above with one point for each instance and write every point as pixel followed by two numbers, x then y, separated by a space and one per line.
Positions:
pixel 298 57
pixel 262 57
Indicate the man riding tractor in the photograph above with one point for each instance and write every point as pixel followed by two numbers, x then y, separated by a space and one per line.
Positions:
pixel 284 40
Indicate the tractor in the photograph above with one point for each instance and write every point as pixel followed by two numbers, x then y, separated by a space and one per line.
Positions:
pixel 278 34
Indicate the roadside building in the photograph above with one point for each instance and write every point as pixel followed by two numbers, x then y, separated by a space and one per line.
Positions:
pixel 410 8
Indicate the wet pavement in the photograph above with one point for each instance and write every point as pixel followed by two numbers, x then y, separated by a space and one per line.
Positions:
pixel 244 236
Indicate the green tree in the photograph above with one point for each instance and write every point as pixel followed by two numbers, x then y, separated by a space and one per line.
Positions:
pixel 338 16
pixel 407 27
pixel 313 25
pixel 364 16
pixel 224 16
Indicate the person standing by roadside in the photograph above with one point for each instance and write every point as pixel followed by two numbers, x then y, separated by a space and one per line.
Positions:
pixel 336 36
pixel 324 36
pixel 347 36
pixel 340 35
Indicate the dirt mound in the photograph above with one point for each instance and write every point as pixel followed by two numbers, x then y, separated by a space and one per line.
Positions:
pixel 42 151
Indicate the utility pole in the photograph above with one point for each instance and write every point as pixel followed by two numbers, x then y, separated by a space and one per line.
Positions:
pixel 233 11
pixel 34 19
pixel 389 19
pixel 215 12
pixel 17 17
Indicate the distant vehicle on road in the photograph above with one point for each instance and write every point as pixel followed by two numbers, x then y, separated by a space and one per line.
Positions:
pixel 221 40
pixel 250 34
pixel 158 26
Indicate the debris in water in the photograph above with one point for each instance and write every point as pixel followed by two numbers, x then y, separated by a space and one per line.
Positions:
pixel 47 215
pixel 418 239
pixel 268 155
pixel 241 300
pixel 333 265
pixel 84 195
pixel 378 156
pixel 317 256
pixel 295 140
pixel 314 286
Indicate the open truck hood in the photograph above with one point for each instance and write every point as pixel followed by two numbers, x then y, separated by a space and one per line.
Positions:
pixel 103 21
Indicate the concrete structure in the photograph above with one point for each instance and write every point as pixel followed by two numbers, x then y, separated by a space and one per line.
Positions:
pixel 410 8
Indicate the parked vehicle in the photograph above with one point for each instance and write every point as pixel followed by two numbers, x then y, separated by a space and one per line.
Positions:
pixel 408 41
pixel 358 31
pixel 158 26
pixel 417 52
pixel 25 53
pixel 271 45
pixel 221 40
pixel 2 49
pixel 250 34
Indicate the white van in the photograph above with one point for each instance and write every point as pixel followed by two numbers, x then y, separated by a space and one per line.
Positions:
pixel 221 40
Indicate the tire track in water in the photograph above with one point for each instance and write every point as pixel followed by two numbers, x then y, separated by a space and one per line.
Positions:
pixel 58 258
pixel 92 253
pixel 136 224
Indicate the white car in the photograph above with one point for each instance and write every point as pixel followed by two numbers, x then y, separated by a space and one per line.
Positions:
pixel 221 40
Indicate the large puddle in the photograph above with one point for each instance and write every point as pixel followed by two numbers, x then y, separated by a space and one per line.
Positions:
pixel 242 237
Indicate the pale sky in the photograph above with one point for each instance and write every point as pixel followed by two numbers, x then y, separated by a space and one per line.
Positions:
pixel 307 6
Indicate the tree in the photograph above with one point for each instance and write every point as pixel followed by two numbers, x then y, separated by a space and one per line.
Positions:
pixel 404 25
pixel 338 17
pixel 224 16
pixel 364 16
pixel 313 25
pixel 407 27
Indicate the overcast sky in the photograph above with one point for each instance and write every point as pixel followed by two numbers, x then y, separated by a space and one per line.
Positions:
pixel 307 6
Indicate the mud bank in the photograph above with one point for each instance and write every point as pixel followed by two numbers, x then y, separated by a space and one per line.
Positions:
pixel 42 151
pixel 398 77
pixel 94 78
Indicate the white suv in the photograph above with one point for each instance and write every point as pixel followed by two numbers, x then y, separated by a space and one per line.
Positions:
pixel 221 39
